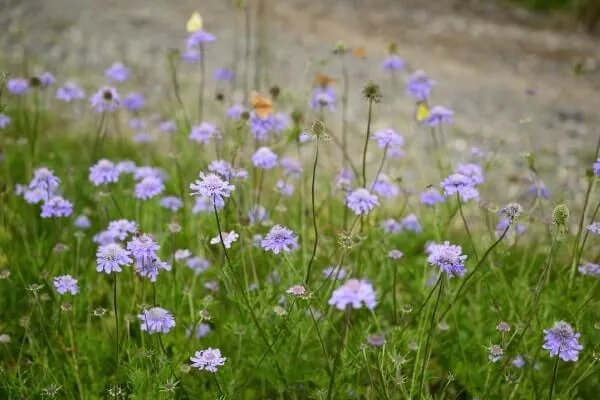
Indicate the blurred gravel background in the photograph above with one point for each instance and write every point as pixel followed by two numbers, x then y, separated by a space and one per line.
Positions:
pixel 483 56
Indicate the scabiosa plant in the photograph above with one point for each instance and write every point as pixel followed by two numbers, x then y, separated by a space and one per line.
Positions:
pixel 460 184
pixel 106 99
pixel 17 86
pixel 361 201
pixel 148 267
pixel 111 257
pixel 538 190
pixel 126 167
pixel 149 187
pixel 199 37
pixel 439 115
pixel 419 85
pixel 47 79
pixel 431 197
pixel 472 171
pixel 69 92
pixel 156 320
pixel 235 111
pixel 589 269
pixel 393 63
pixel 4 120
pixel 280 239
pixel 594 228
pixel 354 293
pixel 518 361
pixel 385 188
pixel 134 102
pixel 191 56
pixel 182 254
pixel 264 158
pixel 334 273
pixel 391 226
pixel 172 203
pixel 82 222
pixel 223 74
pixel 199 331
pixel 198 265
pixel 211 186
pixel 562 341
pixel 203 133
pixel 596 167
pixel 285 188
pixel 388 138
pixel 143 247
pixel 56 206
pixel 209 360
pixel 44 179
pixel 167 127
pixel 257 214
pixel 66 284
pixel 411 223
pixel 103 172
pixel 121 228
pixel 261 127
pixel 291 167
pixel 228 238
pixel 495 353
pixel 117 73
pixel 323 97
pixel 297 291
pixel 448 258
pixel 205 204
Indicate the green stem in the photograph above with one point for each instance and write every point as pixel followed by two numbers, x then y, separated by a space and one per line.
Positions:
pixel 364 157
pixel 430 333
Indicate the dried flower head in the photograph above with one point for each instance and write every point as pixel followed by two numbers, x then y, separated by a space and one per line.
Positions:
pixel 372 92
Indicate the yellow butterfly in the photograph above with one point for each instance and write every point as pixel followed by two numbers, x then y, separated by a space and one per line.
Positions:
pixel 422 111
pixel 194 24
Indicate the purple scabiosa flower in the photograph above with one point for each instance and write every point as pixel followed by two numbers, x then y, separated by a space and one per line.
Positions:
pixel 495 353
pixel 393 63
pixel 384 187
pixel 208 360
pixel 182 254
pixel 228 238
pixel 257 241
pixel 56 206
pixel 143 247
pixel 134 102
pixel 376 340
pixel 281 122
pixel 117 73
pixel 460 184
pixel 395 254
pixel 110 258
pixel 121 228
pixel 391 226
pixel 431 197
pixel 205 204
pixel 4 120
pixel 224 74
pixel 143 137
pixel 538 190
pixel 439 115
pixel 199 331
pixel 37 195
pixel 448 258
pixel 285 188
pixel 191 56
pixel 103 172
pixel 562 341
pixel 505 223
pixel 264 158
pixel 148 188
pixel 291 167
pixel 305 137
pixel 203 133
pixel 334 272
pixel 388 137
pixel 596 167
pixel 148 267
pixel 257 214
pixel 589 269
pixel 141 173
pixel 66 284
pixel 47 79
pixel 167 127
pixel 222 168
pixel 211 186
pixel 395 152
pixel 82 222
pixel 17 86
pixel 137 123
pixel 503 327
pixel 198 265
pixel 472 171
pixel 343 179
pixel 411 223
pixel 361 201
pixel 355 293
pixel 323 97
pixel 156 320
pixel 594 228
pixel 126 167
pixel 419 85
pixel 235 111
pixel 106 99
pixel 70 91
pixel 518 361
pixel 280 239
pixel 297 291
pixel 199 37
pixel 44 179
pixel 172 203
pixel 105 237
pixel 259 127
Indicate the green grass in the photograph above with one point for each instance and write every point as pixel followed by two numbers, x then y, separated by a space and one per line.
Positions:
pixel 277 346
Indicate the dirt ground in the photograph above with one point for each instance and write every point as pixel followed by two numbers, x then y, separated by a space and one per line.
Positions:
pixel 483 59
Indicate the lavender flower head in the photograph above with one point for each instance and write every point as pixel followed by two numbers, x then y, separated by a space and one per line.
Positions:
pixel 335 273
pixel 121 228
pixel 199 331
pixel 431 197
pixel 56 206
pixel 589 269
pixel 111 257
pixel 562 341
pixel 106 99
pixel 103 172
pixel 66 284
pixel 388 138
pixel 361 201
pixel 224 74
pixel 156 320
pixel 70 91
pixel 354 293
pixel 257 214
pixel 149 187
pixel 191 56
pixel 228 238
pixel 200 37
pixel 391 226
pixel 211 186
pixel 82 222
pixel 596 167
pixel 143 247
pixel 264 158
pixel 4 120
pixel 280 239
pixel 17 86
pixel 134 102
pixel 235 111
pixel 411 223
pixel 419 85
pixel 203 133
pixel 448 258
pixel 291 167
pixel 393 63
pixel 172 203
pixel 460 184
pixel 439 115
pixel 44 179
pixel 208 360
pixel 117 73
pixel 385 188
pixel 323 97
pixel 148 267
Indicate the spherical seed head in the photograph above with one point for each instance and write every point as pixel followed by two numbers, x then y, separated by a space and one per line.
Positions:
pixel 35 81
pixel 296 116
pixel 512 211
pixel 372 92
pixel 245 115
pixel 275 91
pixel 340 48
pixel 392 48
pixel 560 215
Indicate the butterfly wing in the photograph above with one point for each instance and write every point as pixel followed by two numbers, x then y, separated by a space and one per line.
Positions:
pixel 422 112
pixel 194 24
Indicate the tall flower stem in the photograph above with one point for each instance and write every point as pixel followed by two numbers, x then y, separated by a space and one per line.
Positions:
pixel 364 156
pixel 554 374
pixel 202 83
pixel 430 333
pixel 314 214
pixel 466 225
pixel 345 90
pixel 338 356
pixel 116 311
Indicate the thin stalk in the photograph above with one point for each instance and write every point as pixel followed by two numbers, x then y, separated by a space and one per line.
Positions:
pixel 464 220
pixel 338 356
pixel 554 374
pixel 202 83
pixel 430 334
pixel 314 215
pixel 364 157
pixel 116 326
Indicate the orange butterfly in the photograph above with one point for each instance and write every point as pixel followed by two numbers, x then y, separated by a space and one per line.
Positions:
pixel 323 80
pixel 359 52
pixel 263 106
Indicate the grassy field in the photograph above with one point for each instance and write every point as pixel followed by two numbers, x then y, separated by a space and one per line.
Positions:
pixel 150 254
